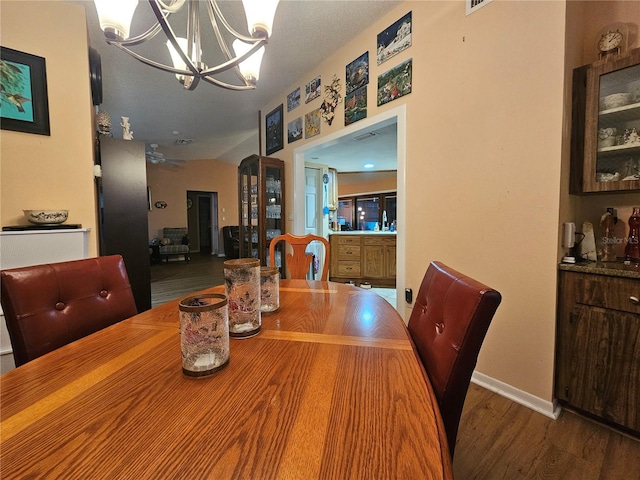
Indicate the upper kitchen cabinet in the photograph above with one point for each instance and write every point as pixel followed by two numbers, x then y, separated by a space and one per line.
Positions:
pixel 605 137
pixel 261 206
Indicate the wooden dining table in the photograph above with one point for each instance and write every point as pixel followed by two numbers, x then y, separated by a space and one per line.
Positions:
pixel 330 388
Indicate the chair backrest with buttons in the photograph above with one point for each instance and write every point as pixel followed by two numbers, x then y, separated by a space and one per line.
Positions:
pixel 449 321
pixel 48 306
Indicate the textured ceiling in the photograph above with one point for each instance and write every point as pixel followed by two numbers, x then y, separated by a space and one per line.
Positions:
pixel 222 123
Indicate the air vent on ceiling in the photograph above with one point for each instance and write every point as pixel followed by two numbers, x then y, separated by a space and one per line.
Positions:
pixel 184 141
pixel 365 136
pixel 473 5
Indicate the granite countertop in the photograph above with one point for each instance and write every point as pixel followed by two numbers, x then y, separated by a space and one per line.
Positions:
pixel 362 232
pixel 612 269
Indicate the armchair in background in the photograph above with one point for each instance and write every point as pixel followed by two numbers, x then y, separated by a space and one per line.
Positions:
pixel 231 241
pixel 175 241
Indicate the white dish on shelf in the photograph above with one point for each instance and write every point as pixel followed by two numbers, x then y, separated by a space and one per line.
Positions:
pixel 616 100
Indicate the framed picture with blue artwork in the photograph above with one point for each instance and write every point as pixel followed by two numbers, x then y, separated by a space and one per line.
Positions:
pixel 24 106
pixel 274 130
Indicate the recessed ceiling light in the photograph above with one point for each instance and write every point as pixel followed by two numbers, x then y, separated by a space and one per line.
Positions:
pixel 368 165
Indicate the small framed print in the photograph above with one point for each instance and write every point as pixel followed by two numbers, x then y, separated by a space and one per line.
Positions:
pixel 357 73
pixel 293 99
pixel 312 89
pixel 355 106
pixel 394 39
pixel 25 105
pixel 395 83
pixel 274 130
pixel 312 123
pixel 294 130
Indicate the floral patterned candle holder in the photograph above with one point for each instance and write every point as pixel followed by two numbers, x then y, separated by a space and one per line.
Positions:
pixel 269 289
pixel 204 334
pixel 242 282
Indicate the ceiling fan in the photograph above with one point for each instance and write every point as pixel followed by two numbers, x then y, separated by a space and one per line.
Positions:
pixel 157 158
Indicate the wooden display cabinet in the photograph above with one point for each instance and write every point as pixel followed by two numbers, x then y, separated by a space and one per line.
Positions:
pixel 261 207
pixel 605 140
pixel 598 347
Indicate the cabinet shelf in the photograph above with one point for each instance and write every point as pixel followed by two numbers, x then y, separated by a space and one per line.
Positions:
pixel 620 149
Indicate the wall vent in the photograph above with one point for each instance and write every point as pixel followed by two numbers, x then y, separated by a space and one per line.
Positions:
pixel 364 136
pixel 184 141
pixel 473 5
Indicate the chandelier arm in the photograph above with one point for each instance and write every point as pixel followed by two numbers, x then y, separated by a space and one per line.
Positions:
pixel 173 7
pixel 168 31
pixel 233 62
pixel 158 65
pixel 228 86
pixel 214 25
pixel 214 5
pixel 137 40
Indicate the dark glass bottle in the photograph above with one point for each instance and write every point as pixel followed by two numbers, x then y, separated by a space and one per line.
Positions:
pixel 632 249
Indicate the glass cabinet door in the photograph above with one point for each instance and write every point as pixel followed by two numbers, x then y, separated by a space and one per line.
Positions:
pixel 611 138
pixel 261 207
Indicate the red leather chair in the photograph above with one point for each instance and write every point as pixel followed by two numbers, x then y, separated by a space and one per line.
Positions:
pixel 449 321
pixel 48 306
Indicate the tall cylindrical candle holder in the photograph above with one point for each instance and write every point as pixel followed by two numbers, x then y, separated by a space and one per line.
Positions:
pixel 204 334
pixel 269 289
pixel 242 283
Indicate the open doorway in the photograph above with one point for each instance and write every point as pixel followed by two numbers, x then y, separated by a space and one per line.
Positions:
pixel 202 222
pixel 395 115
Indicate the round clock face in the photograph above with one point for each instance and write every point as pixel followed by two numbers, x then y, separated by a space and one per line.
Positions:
pixel 609 41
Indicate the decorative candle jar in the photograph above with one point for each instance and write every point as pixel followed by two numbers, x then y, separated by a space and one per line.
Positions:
pixel 269 289
pixel 242 282
pixel 204 334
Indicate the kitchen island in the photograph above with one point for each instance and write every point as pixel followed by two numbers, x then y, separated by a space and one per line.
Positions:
pixel 363 257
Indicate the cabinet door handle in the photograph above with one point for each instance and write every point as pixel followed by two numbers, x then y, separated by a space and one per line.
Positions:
pixel 634 300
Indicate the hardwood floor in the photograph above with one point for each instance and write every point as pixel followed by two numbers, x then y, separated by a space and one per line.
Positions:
pixel 498 439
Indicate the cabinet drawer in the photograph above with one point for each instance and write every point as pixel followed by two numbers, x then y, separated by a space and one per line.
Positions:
pixel 348 269
pixel 379 241
pixel 608 292
pixel 349 252
pixel 348 239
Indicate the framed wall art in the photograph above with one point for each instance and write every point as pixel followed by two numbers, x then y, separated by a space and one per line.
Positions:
pixel 293 99
pixel 294 130
pixel 394 39
pixel 25 105
pixel 357 73
pixel 355 106
pixel 312 89
pixel 312 123
pixel 274 130
pixel 395 83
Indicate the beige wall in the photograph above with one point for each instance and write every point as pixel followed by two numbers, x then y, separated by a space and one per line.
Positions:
pixel 366 182
pixel 171 184
pixel 56 171
pixel 484 150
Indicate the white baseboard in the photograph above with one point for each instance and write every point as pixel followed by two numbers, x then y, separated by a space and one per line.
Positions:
pixel 537 404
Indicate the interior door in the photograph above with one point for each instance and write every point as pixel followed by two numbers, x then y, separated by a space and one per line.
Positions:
pixel 313 197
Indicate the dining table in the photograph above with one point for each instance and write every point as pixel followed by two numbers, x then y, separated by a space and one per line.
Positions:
pixel 330 388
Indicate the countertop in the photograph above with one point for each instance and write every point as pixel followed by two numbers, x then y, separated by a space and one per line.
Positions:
pixel 612 269
pixel 362 232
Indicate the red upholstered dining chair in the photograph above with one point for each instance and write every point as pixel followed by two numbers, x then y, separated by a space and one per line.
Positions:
pixel 48 306
pixel 449 321
pixel 299 262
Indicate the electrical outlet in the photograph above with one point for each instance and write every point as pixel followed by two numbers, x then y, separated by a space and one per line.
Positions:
pixel 408 295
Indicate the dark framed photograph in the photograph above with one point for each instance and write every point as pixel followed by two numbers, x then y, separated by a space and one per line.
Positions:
pixel 23 95
pixel 394 39
pixel 357 73
pixel 395 83
pixel 274 130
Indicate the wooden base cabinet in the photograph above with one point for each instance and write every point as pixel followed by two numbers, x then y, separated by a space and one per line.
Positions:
pixel 363 258
pixel 598 347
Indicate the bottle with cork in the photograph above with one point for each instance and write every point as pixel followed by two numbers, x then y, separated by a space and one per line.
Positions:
pixel 632 248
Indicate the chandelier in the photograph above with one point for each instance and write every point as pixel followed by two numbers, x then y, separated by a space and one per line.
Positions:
pixel 186 52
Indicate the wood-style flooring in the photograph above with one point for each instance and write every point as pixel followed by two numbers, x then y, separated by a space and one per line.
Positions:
pixel 498 438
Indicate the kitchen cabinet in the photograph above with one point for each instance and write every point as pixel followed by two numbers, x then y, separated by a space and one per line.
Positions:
pixel 261 207
pixel 605 139
pixel 362 257
pixel 598 346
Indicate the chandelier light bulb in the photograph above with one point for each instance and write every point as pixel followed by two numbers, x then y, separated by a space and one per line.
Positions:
pixel 250 68
pixel 115 17
pixel 260 15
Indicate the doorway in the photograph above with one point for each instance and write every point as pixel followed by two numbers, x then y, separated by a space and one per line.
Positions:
pixel 202 221
pixel 397 115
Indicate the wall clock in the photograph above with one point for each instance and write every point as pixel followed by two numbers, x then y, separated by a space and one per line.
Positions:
pixel 612 39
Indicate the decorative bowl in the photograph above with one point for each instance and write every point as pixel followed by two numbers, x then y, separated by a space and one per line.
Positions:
pixel 43 217
pixel 616 100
